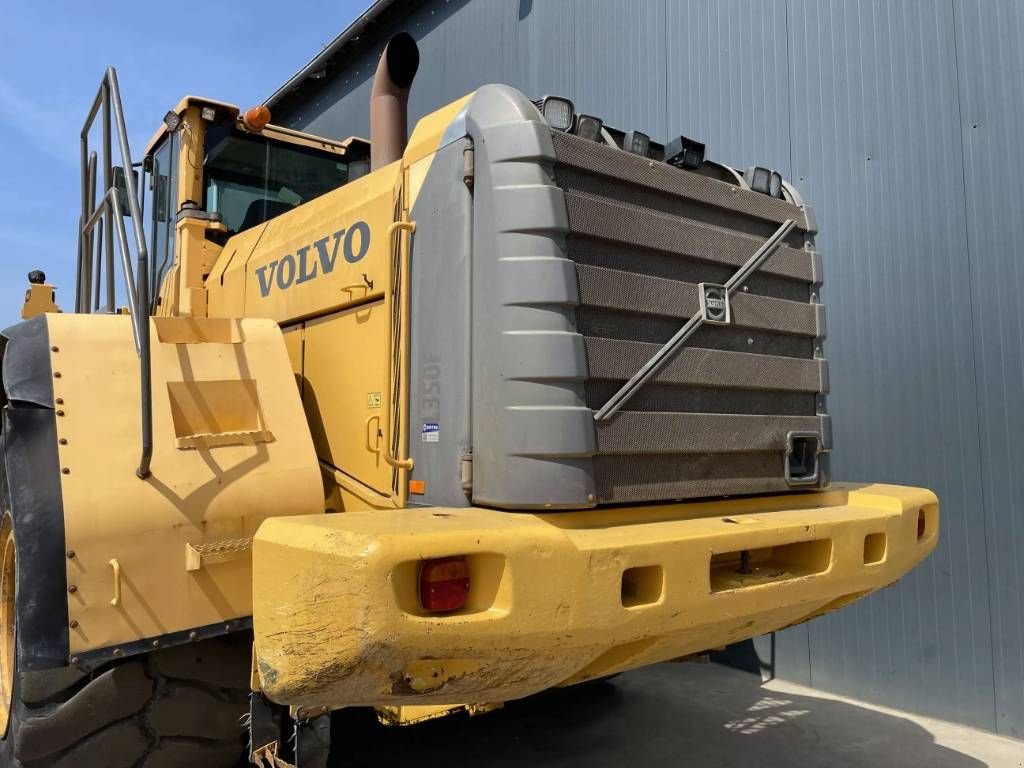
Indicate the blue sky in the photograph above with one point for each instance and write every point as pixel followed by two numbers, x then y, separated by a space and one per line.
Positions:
pixel 51 62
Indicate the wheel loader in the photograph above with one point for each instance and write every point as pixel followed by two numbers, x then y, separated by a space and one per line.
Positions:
pixel 421 424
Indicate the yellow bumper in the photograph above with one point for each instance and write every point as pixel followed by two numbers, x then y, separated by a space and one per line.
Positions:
pixel 562 597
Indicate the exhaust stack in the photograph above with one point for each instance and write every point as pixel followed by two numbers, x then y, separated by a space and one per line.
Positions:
pixel 389 99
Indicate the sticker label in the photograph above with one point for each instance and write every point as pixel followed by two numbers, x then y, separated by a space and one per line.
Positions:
pixel 430 433
pixel 373 399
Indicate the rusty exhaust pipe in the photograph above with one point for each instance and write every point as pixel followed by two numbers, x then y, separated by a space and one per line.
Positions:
pixel 389 99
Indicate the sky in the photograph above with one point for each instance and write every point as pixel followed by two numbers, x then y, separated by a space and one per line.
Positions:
pixel 51 61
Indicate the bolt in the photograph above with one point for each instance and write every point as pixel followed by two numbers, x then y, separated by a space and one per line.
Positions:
pixel 60 401
pixel 227 627
pixel 56 374
pixel 750 341
pixel 65 471
pixel 74 624
pixel 118 651
pixel 156 643
pixel 74 659
pixel 590 497
pixel 60 413
pixel 193 635
pixel 55 349
pixel 63 441
pixel 71 554
pixel 72 589
pixel 746 289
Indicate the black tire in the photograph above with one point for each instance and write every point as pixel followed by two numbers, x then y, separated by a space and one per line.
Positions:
pixel 181 706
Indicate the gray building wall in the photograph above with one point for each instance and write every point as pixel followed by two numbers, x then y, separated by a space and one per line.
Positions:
pixel 900 121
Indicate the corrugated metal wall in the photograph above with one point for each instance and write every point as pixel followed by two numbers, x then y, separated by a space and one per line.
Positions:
pixel 901 122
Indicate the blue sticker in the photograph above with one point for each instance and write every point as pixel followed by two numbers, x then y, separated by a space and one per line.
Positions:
pixel 430 433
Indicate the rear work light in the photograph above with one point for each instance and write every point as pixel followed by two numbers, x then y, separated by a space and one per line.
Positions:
pixel 558 112
pixel 684 152
pixel 637 142
pixel 589 127
pixel 444 584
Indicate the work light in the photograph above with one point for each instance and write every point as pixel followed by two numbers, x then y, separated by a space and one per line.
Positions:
pixel 557 111
pixel 589 127
pixel 684 152
pixel 172 120
pixel 638 143
pixel 764 180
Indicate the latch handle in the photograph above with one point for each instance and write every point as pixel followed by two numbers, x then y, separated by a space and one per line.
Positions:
pixel 116 566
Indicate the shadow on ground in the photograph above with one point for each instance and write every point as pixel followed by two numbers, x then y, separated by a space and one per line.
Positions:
pixel 671 714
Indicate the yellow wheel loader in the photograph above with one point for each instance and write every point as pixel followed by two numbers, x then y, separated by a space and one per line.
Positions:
pixel 418 425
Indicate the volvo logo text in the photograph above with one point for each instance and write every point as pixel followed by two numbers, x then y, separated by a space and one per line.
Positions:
pixel 317 258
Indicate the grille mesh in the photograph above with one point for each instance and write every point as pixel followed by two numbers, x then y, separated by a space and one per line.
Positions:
pixel 715 420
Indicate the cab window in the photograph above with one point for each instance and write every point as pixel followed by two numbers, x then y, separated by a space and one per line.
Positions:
pixel 164 188
pixel 250 179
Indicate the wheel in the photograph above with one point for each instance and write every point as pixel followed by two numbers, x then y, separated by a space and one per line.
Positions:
pixel 180 706
pixel 168 709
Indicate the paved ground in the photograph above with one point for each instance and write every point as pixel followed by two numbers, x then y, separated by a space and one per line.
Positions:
pixel 692 715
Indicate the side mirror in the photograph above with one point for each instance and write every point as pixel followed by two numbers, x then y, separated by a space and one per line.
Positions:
pixel 121 185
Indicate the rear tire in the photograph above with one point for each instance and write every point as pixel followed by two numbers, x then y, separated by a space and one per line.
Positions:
pixel 181 706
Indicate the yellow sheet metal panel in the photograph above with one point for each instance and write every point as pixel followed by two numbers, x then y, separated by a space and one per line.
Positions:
pixel 217 472
pixel 324 255
pixel 293 342
pixel 39 299
pixel 430 129
pixel 557 598
pixel 345 368
pixel 225 286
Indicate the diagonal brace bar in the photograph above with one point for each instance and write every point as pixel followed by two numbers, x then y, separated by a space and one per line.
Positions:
pixel 673 345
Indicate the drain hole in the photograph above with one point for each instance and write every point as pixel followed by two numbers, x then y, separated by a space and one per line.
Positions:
pixel 802 459
pixel 642 586
pixel 874 548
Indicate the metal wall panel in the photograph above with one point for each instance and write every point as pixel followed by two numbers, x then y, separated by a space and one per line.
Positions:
pixel 900 122
pixel 989 35
pixel 728 82
pixel 876 148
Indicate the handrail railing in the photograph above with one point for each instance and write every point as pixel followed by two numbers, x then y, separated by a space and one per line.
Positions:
pixel 96 239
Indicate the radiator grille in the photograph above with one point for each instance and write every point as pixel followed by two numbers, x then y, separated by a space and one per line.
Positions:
pixel 715 420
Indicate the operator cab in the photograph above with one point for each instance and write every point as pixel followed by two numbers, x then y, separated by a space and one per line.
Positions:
pixel 235 171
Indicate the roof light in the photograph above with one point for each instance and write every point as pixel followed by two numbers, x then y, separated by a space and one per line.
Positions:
pixel 589 127
pixel 172 120
pixel 444 584
pixel 256 118
pixel 558 112
pixel 208 114
pixel 638 143
pixel 684 152
pixel 764 180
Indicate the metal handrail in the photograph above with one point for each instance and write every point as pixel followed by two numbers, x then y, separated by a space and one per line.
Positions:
pixel 96 238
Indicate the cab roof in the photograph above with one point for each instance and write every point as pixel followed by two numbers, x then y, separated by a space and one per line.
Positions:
pixel 231 111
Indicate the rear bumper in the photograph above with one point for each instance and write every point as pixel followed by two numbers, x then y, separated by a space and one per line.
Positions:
pixel 561 597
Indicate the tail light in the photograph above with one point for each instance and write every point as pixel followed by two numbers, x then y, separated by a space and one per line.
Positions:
pixel 444 584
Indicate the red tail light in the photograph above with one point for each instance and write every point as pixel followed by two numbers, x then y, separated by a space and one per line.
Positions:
pixel 444 584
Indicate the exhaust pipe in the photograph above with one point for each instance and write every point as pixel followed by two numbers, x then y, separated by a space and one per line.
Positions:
pixel 389 99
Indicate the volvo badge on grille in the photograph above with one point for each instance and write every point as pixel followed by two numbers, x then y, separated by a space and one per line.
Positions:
pixel 714 303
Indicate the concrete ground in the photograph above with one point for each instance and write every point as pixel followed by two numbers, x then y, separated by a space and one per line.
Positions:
pixel 692 715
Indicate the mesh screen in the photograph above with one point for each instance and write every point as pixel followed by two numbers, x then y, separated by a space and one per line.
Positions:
pixel 715 420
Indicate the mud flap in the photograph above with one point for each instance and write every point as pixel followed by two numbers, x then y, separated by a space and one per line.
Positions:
pixel 32 494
